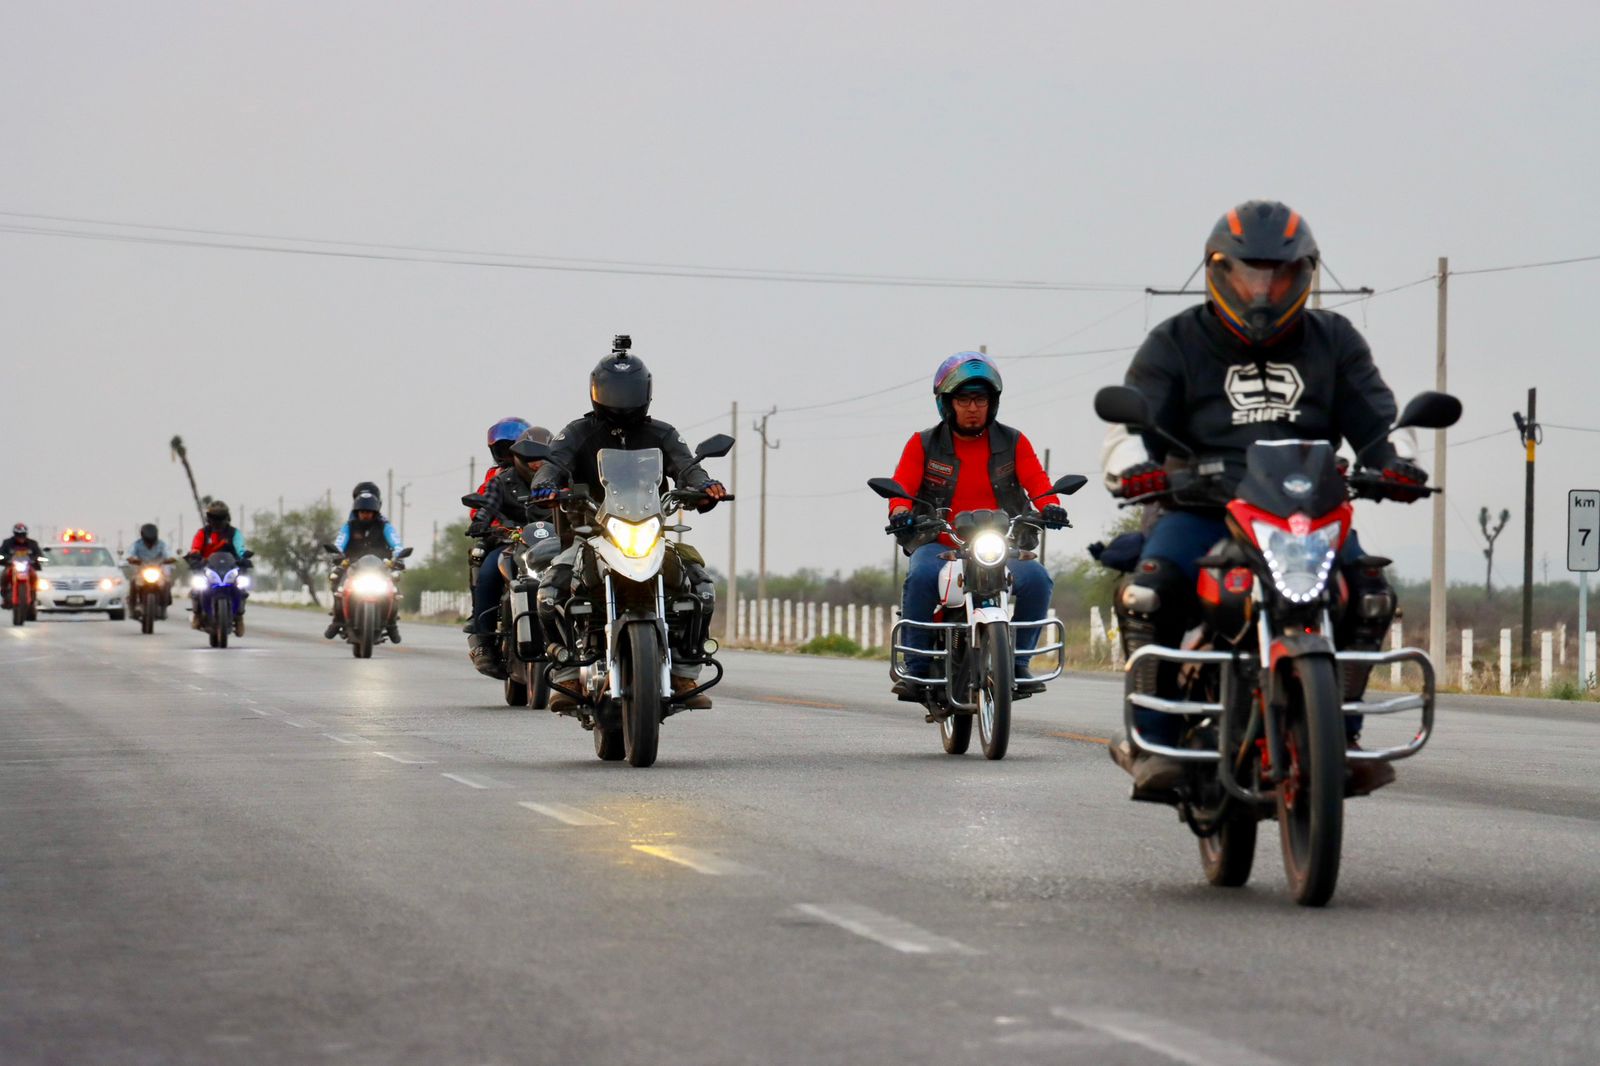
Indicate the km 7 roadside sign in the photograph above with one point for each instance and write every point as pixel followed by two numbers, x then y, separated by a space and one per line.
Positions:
pixel 1583 530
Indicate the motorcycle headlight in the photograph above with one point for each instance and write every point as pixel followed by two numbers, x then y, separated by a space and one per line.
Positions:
pixel 151 575
pixel 989 547
pixel 1299 563
pixel 20 566
pixel 232 577
pixel 198 582
pixel 244 581
pixel 634 538
pixel 369 584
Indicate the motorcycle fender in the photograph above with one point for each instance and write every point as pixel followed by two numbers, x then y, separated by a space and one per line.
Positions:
pixel 1298 646
pixel 952 592
pixel 981 616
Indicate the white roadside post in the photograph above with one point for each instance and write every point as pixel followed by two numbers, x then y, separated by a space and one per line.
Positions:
pixel 1583 556
pixel 1547 658
pixel 1505 661
pixel 1396 642
pixel 1097 629
pixel 1466 660
pixel 1587 679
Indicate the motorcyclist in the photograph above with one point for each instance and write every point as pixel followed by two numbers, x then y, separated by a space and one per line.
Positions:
pixel 619 395
pixel 19 541
pixel 502 435
pixel 365 532
pixel 969 462
pixel 217 535
pixel 151 550
pixel 506 507
pixel 1250 364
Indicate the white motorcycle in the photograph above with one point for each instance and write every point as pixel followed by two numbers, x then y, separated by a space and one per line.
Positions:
pixel 625 627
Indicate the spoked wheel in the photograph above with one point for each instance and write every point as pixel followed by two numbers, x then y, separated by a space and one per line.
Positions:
pixel 221 623
pixel 641 694
pixel 996 666
pixel 1228 854
pixel 955 731
pixel 1311 798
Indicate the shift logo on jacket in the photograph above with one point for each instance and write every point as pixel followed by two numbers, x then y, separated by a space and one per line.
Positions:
pixel 1268 397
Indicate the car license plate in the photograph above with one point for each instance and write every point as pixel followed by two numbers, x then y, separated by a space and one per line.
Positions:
pixel 72 600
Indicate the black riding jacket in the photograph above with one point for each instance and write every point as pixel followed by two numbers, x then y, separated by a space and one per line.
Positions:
pixel 574 453
pixel 506 499
pixel 11 545
pixel 1219 395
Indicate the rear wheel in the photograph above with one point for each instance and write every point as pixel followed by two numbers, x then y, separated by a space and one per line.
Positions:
pixel 641 694
pixel 1311 798
pixel 1228 854
pixel 996 665
pixel 516 692
pixel 221 623
pixel 955 732
pixel 608 742
pixel 539 691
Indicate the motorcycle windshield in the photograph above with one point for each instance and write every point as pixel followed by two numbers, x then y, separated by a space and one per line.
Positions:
pixel 1285 477
pixel 632 483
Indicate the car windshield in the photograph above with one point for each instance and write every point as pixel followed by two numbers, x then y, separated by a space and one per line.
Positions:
pixel 86 557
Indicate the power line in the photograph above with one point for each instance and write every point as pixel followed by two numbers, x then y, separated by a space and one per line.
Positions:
pixel 238 240
pixel 1528 266
pixel 1575 429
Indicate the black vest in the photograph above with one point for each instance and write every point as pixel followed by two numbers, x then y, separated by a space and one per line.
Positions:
pixel 366 538
pixel 941 469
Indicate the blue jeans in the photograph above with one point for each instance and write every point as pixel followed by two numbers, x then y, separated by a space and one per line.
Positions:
pixel 486 593
pixel 1031 585
pixel 1184 538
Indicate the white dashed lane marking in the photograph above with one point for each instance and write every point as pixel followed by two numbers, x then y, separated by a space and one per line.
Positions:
pixel 699 861
pixel 885 929
pixel 347 738
pixel 475 780
pixel 403 757
pixel 562 813
pixel 1176 1042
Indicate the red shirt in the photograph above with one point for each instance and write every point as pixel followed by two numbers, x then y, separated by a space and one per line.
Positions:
pixel 974 491
pixel 490 476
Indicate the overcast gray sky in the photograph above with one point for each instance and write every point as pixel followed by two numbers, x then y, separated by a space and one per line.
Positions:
pixel 1058 141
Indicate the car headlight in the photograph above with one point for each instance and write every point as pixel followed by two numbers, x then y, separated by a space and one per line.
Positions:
pixel 44 584
pixel 634 538
pixel 1299 563
pixel 198 582
pixel 369 584
pixel 989 547
pixel 244 581
pixel 151 575
pixel 105 584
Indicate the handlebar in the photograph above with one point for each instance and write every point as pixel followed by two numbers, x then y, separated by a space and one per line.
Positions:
pixel 1208 490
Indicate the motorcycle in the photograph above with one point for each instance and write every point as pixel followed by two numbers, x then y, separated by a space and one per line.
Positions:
pixel 1260 684
pixel 148 598
pixel 219 586
pixel 369 599
pixel 517 630
pixel 625 629
pixel 975 636
pixel 19 587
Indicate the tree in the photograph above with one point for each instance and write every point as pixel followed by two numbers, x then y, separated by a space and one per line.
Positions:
pixel 446 570
pixel 293 542
pixel 1488 552
pixel 181 453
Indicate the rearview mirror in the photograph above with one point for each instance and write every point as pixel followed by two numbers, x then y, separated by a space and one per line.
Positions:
pixel 1067 484
pixel 531 450
pixel 714 447
pixel 473 500
pixel 330 548
pixel 1122 405
pixel 402 553
pixel 1430 410
pixel 888 488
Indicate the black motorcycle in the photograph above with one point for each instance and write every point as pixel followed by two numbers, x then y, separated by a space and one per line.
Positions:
pixel 1259 686
pixel 517 633
pixel 150 593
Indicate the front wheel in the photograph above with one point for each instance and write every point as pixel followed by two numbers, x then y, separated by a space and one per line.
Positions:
pixel 19 610
pixel 1311 797
pixel 641 694
pixel 147 615
pixel 221 623
pixel 996 663
pixel 366 630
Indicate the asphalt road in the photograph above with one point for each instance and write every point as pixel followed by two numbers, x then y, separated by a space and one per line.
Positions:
pixel 278 853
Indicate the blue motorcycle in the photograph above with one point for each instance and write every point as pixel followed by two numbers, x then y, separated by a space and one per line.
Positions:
pixel 218 588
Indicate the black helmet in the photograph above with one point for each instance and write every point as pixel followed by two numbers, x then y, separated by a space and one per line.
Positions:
pixel 1260 259
pixel 148 532
pixel 367 501
pixel 619 386
pixel 19 530
pixel 218 510
pixel 536 436
pixel 367 487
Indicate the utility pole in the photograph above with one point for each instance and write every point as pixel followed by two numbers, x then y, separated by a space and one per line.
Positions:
pixel 730 616
pixel 280 506
pixel 472 474
pixel 766 446
pixel 403 506
pixel 389 493
pixel 1531 435
pixel 1438 590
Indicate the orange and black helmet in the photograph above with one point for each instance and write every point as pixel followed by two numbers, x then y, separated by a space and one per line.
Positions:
pixel 1260 260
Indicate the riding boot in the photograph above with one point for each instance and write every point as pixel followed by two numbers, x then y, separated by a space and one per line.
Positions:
pixel 485 656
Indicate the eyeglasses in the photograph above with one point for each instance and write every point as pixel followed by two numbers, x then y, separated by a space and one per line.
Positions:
pixel 970 399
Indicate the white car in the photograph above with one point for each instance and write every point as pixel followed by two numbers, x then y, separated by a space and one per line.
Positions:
pixel 82 577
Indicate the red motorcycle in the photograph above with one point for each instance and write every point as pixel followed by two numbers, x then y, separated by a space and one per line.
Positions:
pixel 20 575
pixel 1258 685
